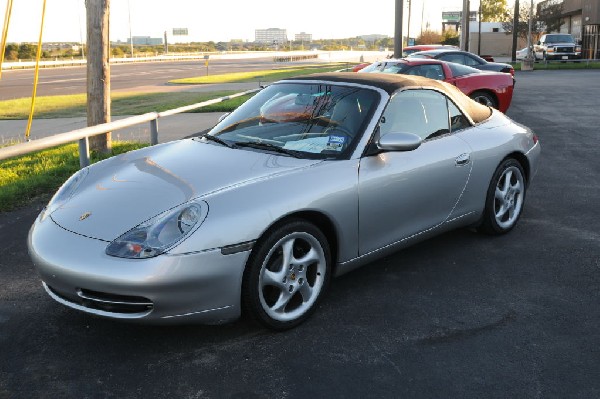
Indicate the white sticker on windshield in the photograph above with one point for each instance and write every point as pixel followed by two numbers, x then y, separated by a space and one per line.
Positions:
pixel 335 143
pixel 314 145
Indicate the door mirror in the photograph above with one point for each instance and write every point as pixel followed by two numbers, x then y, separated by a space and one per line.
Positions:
pixel 538 43
pixel 225 115
pixel 399 142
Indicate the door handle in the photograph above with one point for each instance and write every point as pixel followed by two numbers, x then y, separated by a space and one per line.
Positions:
pixel 462 159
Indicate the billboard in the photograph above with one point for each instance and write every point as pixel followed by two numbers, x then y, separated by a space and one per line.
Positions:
pixel 180 31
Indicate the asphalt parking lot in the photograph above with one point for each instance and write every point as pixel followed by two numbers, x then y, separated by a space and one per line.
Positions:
pixel 460 315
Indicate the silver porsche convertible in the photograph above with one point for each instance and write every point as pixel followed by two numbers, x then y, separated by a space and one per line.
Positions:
pixel 309 179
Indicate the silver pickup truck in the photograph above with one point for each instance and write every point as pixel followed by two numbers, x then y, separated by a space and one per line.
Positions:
pixel 557 46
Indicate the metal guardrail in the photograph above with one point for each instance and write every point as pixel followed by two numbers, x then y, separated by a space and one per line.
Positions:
pixel 83 134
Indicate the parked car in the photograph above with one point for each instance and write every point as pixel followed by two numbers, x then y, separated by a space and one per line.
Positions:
pixel 557 46
pixel 406 51
pixel 360 66
pixel 309 179
pixel 521 54
pixel 494 89
pixel 465 58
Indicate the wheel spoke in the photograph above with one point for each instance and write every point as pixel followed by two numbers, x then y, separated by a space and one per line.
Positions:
pixel 507 177
pixel 511 212
pixel 502 211
pixel 517 187
pixel 282 301
pixel 311 257
pixel 306 291
pixel 288 253
pixel 274 278
pixel 499 194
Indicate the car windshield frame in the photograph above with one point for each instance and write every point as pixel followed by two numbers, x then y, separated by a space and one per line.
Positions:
pixel 324 120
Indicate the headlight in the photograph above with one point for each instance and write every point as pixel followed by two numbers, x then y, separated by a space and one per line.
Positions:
pixel 160 233
pixel 65 192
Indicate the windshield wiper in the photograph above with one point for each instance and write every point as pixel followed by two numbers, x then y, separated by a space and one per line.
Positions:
pixel 210 137
pixel 268 146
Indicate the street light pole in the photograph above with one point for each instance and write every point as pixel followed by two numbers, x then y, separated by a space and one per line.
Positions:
pixel 130 37
pixel 398 29
pixel 529 43
pixel 465 26
pixel 479 31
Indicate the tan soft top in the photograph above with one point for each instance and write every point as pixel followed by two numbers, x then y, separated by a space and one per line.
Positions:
pixel 393 82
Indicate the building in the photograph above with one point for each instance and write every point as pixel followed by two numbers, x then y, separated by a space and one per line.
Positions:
pixel 270 36
pixel 303 37
pixel 373 38
pixel 146 41
pixel 581 18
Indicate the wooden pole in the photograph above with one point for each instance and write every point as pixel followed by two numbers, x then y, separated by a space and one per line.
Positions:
pixel 98 70
pixel 515 32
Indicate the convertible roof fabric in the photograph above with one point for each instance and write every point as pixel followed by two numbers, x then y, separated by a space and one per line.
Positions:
pixel 393 82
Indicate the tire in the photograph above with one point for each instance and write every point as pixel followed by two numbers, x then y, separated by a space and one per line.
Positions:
pixel 484 98
pixel 286 275
pixel 505 198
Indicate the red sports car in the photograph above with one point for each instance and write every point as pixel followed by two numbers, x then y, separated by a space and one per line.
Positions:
pixel 494 89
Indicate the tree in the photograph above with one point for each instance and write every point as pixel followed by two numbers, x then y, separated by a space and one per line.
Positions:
pixel 546 19
pixel 493 10
pixel 450 38
pixel 429 37
pixel 27 51
pixel 549 15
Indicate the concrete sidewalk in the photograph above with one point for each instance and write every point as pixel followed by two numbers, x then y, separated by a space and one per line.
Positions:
pixel 169 128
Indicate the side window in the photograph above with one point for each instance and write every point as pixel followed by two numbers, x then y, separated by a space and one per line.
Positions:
pixel 422 112
pixel 431 71
pixel 471 61
pixel 457 58
pixel 457 120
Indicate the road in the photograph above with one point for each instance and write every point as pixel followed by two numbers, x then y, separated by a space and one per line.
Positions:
pixel 458 316
pixel 143 76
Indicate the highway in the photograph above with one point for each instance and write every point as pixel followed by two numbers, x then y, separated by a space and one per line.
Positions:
pixel 146 76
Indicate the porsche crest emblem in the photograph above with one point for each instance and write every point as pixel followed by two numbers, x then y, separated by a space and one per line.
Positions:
pixel 85 216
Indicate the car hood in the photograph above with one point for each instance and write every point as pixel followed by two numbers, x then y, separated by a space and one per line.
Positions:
pixel 123 191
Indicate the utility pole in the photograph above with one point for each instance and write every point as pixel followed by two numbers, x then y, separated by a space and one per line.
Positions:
pixel 98 70
pixel 398 29
pixel 465 26
pixel 479 30
pixel 408 25
pixel 515 33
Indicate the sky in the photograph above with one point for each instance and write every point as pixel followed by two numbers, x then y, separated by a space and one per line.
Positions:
pixel 222 20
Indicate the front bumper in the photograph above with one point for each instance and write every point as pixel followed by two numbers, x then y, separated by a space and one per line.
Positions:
pixel 563 56
pixel 202 287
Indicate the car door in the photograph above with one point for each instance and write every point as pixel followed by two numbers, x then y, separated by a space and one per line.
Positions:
pixel 404 193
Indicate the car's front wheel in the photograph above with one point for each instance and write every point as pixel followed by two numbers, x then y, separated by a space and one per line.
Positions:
pixel 505 198
pixel 287 273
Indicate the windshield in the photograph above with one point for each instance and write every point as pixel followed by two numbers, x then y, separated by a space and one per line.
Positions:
pixel 300 119
pixel 559 39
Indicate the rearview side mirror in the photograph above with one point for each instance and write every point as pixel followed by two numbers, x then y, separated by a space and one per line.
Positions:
pixel 399 142
pixel 225 115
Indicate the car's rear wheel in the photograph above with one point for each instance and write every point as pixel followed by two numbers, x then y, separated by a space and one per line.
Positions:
pixel 505 198
pixel 287 274
pixel 484 98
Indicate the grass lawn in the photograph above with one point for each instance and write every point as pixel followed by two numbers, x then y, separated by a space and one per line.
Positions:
pixel 40 174
pixel 122 104
pixel 265 75
pixel 74 105
pixel 557 65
